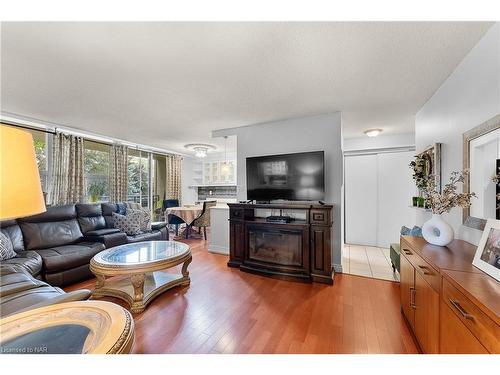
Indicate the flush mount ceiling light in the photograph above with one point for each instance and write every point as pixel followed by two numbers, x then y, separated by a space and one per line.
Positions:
pixel 200 149
pixel 373 132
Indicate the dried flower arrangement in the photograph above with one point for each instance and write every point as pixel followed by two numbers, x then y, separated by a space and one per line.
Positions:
pixel 496 178
pixel 419 172
pixel 449 198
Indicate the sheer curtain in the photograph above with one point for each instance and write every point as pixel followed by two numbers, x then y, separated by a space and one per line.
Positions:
pixel 118 173
pixel 67 171
pixel 174 166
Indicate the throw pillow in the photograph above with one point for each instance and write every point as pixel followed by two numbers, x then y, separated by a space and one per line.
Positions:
pixel 130 223
pixel 122 208
pixel 405 231
pixel 416 231
pixel 145 219
pixel 6 248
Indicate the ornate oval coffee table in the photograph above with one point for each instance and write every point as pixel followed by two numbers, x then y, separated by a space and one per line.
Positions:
pixel 144 263
pixel 87 327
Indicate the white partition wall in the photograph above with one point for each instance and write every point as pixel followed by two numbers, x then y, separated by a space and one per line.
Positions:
pixel 361 194
pixel 395 189
pixel 378 191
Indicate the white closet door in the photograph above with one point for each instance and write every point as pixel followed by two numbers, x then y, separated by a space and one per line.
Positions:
pixel 361 199
pixel 395 189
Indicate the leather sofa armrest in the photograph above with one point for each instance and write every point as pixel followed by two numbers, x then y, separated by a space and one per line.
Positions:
pixel 157 225
pixel 109 240
pixel 76 295
pixel 165 235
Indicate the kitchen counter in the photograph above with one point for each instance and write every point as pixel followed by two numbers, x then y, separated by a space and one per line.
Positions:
pixel 219 229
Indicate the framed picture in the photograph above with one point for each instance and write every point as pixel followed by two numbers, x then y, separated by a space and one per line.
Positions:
pixel 487 256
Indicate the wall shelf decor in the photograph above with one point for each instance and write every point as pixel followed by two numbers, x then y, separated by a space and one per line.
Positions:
pixel 432 157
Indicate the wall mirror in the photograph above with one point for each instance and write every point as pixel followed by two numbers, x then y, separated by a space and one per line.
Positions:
pixel 482 158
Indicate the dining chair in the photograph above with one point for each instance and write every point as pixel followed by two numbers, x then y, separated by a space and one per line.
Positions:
pixel 173 219
pixel 203 220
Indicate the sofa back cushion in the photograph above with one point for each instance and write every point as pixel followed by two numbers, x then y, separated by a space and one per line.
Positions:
pixel 107 212
pixel 55 227
pixel 13 231
pixel 90 217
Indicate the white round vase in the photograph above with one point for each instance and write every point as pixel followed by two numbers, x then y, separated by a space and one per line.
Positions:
pixel 437 231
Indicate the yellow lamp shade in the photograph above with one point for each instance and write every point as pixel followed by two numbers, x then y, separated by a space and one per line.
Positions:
pixel 20 189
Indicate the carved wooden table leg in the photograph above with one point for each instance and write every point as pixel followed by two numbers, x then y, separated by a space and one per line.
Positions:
pixel 100 281
pixel 138 305
pixel 185 272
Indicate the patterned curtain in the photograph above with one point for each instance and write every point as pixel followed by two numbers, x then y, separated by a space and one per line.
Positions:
pixel 174 166
pixel 118 177
pixel 67 172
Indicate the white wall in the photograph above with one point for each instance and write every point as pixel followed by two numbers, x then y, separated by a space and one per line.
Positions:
pixel 316 133
pixel 189 195
pixel 380 142
pixel 470 96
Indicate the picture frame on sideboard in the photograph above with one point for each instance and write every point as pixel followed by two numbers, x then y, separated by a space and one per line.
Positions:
pixel 487 257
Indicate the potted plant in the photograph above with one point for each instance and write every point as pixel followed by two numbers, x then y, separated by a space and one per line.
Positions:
pixel 96 190
pixel 420 177
pixel 437 231
pixel 419 172
pixel 420 202
pixel 414 201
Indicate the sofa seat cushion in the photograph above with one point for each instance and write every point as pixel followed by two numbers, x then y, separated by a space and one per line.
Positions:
pixel 102 232
pixel 31 261
pixel 148 236
pixel 69 256
pixel 20 291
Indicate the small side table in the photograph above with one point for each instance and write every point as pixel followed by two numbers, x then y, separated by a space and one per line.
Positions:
pixel 86 327
pixel 394 253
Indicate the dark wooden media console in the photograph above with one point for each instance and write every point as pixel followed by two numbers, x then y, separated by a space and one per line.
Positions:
pixel 299 250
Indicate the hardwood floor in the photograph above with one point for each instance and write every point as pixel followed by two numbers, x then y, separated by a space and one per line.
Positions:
pixel 225 310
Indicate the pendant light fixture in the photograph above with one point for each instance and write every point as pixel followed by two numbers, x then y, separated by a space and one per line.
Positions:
pixel 200 149
pixel 224 169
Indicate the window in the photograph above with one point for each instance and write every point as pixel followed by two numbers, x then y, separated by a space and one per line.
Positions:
pixel 96 166
pixel 138 177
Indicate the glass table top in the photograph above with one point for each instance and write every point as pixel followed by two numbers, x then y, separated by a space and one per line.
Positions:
pixel 59 339
pixel 142 252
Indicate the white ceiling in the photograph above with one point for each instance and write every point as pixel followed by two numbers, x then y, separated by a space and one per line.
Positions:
pixel 167 84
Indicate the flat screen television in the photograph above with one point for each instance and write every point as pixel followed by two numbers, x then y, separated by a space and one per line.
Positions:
pixel 299 176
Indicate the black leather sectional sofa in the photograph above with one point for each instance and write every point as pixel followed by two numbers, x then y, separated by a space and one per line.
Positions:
pixel 57 245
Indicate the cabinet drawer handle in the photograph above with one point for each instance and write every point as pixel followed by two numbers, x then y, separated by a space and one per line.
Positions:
pixel 412 298
pixel 407 252
pixel 461 310
pixel 426 270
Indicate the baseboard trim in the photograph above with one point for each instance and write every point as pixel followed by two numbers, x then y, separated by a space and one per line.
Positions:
pixel 337 268
pixel 218 249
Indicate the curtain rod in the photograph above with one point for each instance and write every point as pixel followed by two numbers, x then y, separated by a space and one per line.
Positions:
pixel 45 130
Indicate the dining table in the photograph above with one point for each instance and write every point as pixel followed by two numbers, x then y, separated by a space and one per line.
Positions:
pixel 187 213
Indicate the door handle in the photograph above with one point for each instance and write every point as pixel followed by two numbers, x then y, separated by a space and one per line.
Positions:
pixel 412 298
pixel 461 310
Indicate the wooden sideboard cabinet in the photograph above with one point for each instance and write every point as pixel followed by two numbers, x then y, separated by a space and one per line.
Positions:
pixel 450 305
